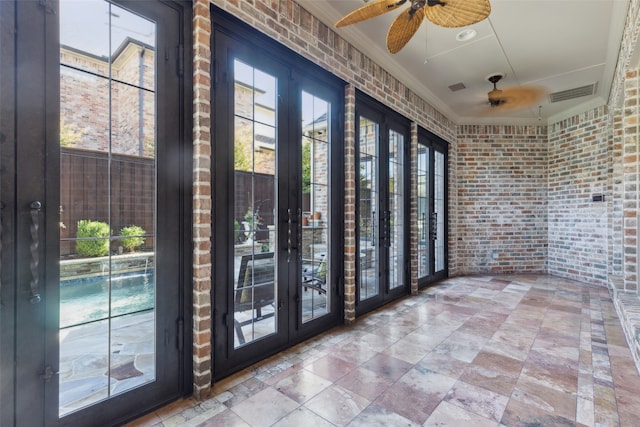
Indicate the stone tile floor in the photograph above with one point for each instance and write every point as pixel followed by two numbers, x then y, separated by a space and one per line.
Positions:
pixel 522 350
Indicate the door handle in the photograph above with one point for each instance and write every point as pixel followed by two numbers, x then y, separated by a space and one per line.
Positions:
pixel 48 374
pixel 289 223
pixel 373 228
pixel 433 226
pixel 35 208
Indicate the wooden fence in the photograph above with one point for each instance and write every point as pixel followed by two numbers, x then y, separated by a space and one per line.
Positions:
pixel 84 193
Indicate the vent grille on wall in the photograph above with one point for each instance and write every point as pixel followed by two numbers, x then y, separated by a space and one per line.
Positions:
pixel 577 92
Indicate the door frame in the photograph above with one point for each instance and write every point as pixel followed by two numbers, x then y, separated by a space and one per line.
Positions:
pixel 387 120
pixel 434 143
pixel 7 210
pixel 31 100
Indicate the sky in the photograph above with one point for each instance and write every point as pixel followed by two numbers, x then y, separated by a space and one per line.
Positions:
pixel 84 25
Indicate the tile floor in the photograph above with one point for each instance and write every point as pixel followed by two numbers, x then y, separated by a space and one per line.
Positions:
pixel 522 350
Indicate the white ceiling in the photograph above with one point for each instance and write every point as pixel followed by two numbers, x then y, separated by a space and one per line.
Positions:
pixel 556 44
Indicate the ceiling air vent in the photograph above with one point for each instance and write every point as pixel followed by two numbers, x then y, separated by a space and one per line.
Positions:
pixel 577 92
pixel 456 87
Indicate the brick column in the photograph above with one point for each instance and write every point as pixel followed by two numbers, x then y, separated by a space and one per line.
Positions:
pixel 413 210
pixel 202 356
pixel 350 205
pixel 631 150
pixel 616 189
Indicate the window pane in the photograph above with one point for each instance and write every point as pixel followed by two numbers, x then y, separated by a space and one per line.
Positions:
pixel 423 211
pixel 369 219
pixel 315 267
pixel 255 225
pixel 440 211
pixel 107 194
pixel 395 220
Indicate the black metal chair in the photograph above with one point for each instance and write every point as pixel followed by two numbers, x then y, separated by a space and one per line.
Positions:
pixel 314 274
pixel 254 289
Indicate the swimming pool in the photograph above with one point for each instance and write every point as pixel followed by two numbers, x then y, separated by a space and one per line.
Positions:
pixel 95 298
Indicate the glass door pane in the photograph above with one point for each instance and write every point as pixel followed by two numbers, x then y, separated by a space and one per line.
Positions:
pixel 396 211
pixel 108 198
pixel 255 225
pixel 422 177
pixel 439 211
pixel 368 218
pixel 316 208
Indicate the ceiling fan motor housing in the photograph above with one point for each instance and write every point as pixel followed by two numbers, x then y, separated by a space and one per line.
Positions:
pixel 495 96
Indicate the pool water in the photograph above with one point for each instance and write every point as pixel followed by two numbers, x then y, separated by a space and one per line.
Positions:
pixel 92 299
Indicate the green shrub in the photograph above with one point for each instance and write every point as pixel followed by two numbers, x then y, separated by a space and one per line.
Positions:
pixel 132 237
pixel 98 232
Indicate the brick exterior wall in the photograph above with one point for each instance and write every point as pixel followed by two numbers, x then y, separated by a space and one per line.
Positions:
pixel 85 115
pixel 578 170
pixel 515 192
pixel 501 199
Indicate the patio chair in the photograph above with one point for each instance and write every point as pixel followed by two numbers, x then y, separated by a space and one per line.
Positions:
pixel 314 274
pixel 254 289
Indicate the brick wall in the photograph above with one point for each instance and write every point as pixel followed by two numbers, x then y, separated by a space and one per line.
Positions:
pixel 578 170
pixel 501 199
pixel 85 115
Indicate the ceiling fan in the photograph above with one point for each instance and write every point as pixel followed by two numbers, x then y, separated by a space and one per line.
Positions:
pixel 447 13
pixel 514 98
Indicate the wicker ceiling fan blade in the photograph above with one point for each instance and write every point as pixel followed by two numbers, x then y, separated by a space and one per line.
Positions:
pixel 518 98
pixel 403 28
pixel 458 13
pixel 369 11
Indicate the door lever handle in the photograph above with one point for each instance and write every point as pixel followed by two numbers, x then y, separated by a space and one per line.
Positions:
pixel 48 374
pixel 35 208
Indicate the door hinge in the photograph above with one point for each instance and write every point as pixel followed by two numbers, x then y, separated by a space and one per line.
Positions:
pixel 180 334
pixel 180 60
pixel 48 6
pixel 48 374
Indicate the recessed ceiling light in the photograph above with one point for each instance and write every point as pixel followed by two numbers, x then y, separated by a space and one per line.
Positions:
pixel 466 35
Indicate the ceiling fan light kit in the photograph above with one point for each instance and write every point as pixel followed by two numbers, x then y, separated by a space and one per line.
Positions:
pixel 466 35
pixel 444 13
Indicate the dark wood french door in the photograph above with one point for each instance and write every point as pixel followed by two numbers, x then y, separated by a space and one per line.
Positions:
pixel 277 220
pixel 95 210
pixel 382 138
pixel 431 177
